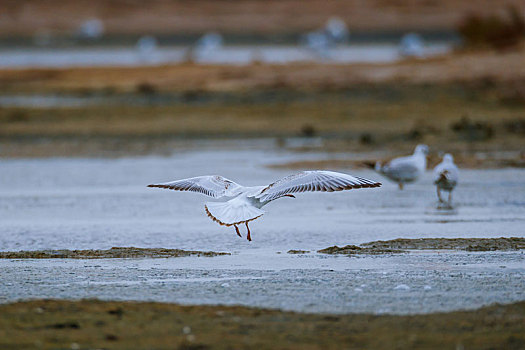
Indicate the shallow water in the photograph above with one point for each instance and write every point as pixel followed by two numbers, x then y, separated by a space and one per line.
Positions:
pixel 99 203
pixel 405 284
pixel 236 55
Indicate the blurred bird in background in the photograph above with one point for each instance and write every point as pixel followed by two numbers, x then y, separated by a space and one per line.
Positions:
pixel 404 169
pixel 446 176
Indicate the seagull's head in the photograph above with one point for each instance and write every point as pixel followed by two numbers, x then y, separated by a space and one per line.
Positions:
pixel 421 149
pixel 448 158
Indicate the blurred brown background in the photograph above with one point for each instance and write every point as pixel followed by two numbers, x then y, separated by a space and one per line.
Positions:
pixel 125 77
pixel 242 16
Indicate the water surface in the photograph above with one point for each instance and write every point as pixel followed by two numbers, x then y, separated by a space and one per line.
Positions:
pixel 66 203
pixel 234 55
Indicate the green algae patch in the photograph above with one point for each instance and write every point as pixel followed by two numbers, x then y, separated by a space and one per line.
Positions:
pixel 404 245
pixel 354 249
pixel 113 253
pixel 298 251
pixel 468 244
pixel 93 324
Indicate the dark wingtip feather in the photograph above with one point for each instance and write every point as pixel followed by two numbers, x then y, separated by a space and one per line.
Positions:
pixel 368 183
pixel 159 186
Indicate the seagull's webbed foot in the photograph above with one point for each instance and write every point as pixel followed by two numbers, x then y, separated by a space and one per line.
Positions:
pixel 400 184
pixel 237 230
pixel 248 237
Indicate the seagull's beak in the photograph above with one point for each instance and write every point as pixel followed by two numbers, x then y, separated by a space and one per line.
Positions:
pixel 289 195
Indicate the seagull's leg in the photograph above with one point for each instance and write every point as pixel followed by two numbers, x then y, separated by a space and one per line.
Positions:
pixel 439 194
pixel 400 185
pixel 248 237
pixel 237 230
pixel 450 198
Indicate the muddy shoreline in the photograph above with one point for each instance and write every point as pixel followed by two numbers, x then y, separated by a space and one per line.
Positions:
pixel 401 245
pixel 467 244
pixel 475 123
pixel 51 324
pixel 113 253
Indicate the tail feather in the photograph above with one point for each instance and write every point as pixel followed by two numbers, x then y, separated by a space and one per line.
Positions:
pixel 229 214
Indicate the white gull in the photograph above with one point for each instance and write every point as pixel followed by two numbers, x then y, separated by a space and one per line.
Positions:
pixel 446 175
pixel 404 169
pixel 243 204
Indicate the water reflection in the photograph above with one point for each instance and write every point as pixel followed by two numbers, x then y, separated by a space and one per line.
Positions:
pixel 443 208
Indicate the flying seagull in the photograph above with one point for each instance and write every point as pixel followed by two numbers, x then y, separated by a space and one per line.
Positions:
pixel 242 204
pixel 446 176
pixel 404 169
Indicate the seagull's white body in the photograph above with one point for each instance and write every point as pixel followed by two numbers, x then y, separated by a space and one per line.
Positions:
pixel 412 45
pixel 207 45
pixel 243 204
pixel 446 176
pixel 405 169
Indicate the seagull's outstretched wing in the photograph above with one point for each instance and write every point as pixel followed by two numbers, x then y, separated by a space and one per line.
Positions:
pixel 212 185
pixel 313 180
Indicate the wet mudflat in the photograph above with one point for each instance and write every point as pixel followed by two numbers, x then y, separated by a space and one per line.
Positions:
pixel 129 325
pixel 468 244
pixel 404 245
pixel 115 253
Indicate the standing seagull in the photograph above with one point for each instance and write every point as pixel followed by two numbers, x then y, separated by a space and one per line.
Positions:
pixel 243 204
pixel 404 169
pixel 446 175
